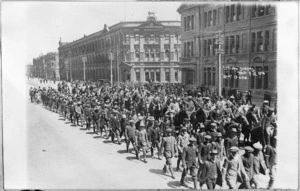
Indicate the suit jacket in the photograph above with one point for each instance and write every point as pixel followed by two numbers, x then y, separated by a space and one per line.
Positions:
pixel 189 156
pixel 168 146
pixel 205 171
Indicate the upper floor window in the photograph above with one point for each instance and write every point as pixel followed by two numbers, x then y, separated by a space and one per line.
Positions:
pixel 189 23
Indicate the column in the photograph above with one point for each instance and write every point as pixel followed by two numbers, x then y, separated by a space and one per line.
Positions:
pixel 179 75
pixel 172 73
pixel 142 50
pixel 172 50
pixel 162 47
pixel 132 74
pixel 131 41
pixel 162 73
pixel 142 73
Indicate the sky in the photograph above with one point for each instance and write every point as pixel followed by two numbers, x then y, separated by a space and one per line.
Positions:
pixel 32 28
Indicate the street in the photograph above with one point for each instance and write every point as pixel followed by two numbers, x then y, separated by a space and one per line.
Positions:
pixel 65 156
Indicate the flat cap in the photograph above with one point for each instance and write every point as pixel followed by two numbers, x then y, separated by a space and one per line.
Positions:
pixel 192 139
pixel 214 151
pixel 207 137
pixel 234 149
pixel 257 146
pixel 169 130
pixel 249 149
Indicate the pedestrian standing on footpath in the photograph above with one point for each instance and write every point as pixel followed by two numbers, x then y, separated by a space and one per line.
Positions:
pixel 169 150
pixel 189 161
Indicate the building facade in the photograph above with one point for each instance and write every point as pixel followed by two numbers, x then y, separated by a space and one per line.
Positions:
pixel 141 52
pixel 248 46
pixel 46 66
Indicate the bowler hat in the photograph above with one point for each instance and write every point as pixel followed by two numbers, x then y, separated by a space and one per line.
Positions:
pixel 214 151
pixel 207 137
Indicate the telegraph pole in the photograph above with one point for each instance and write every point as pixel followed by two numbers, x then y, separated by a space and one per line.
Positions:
pixel 219 51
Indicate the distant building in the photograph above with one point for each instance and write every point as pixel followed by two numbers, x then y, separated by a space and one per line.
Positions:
pixel 141 51
pixel 46 66
pixel 250 41
pixel 29 70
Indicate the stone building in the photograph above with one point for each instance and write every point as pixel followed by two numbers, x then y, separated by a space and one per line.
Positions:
pixel 142 51
pixel 249 48
pixel 46 66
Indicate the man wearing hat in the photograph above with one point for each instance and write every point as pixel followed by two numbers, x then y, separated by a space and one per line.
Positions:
pixel 130 137
pixel 200 134
pixel 259 164
pixel 233 169
pixel 218 145
pixel 188 125
pixel 115 127
pixel 154 138
pixel 264 109
pixel 270 158
pixel 182 141
pixel 248 160
pixel 189 161
pixel 204 150
pixel 169 149
pixel 190 106
pixel 142 140
pixel 231 140
pixel 211 174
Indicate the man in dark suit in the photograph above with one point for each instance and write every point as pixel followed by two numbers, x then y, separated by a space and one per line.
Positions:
pixel 189 161
pixel 211 174
pixel 169 149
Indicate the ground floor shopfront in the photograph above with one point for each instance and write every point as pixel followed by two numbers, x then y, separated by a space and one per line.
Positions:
pixel 256 73
pixel 150 72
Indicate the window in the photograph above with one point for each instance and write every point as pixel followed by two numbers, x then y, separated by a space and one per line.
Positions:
pixel 176 55
pixel 209 47
pixel 167 52
pixel 147 54
pixel 185 50
pixel 127 55
pixel 237 46
pixel 253 42
pixel 157 53
pixel 252 79
pixel 214 77
pixel 225 78
pixel 214 47
pixel 147 39
pixel 274 39
pixel 205 19
pixel 205 48
pixel 167 75
pixel 265 77
pixel 152 54
pixel 185 23
pixel 227 14
pixel 188 49
pixel 209 76
pixel 205 81
pixel 210 19
pixel 147 76
pixel 239 12
pixel 261 10
pixel 176 75
pixel 258 77
pixel 253 11
pixel 152 38
pixel 192 22
pixel 157 76
pixel 231 48
pixel 136 38
pixel 268 9
pixel 138 76
pixel 152 76
pixel 192 49
pixel 244 42
pixel 219 15
pixel 267 39
pixel 226 44
pixel 214 17
pixel 188 24
pixel 260 44
pixel 233 14
pixel 137 54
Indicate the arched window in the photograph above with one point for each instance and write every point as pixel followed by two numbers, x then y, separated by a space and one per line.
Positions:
pixel 137 54
pixel 167 53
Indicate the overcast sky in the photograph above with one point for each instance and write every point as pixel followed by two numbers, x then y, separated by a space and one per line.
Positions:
pixel 33 28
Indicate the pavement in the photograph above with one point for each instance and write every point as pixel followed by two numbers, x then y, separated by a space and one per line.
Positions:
pixel 60 155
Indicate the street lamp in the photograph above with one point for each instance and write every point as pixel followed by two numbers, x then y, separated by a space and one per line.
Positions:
pixel 219 42
pixel 111 72
pixel 84 59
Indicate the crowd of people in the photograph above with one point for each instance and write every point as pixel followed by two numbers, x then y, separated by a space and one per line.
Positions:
pixel 218 139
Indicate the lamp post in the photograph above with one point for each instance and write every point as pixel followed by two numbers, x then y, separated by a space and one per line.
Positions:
pixel 219 42
pixel 111 72
pixel 84 59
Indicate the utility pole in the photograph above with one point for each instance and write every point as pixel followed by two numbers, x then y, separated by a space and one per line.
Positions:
pixel 219 51
pixel 84 59
pixel 111 70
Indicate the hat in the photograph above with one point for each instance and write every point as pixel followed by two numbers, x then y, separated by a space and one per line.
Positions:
pixel 124 116
pixel 199 93
pixel 192 139
pixel 257 146
pixel 249 149
pixel 142 124
pixel 186 119
pixel 183 128
pixel 218 134
pixel 207 137
pixel 190 97
pixel 271 109
pixel 232 97
pixel 169 130
pixel 151 118
pixel 234 149
pixel 206 98
pixel 201 125
pixel 265 101
pixel 213 125
pixel 131 121
pixel 214 151
pixel 233 129
pixel 167 115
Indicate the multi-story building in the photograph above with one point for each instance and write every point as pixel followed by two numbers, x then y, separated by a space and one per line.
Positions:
pixel 46 66
pixel 249 46
pixel 29 70
pixel 141 51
